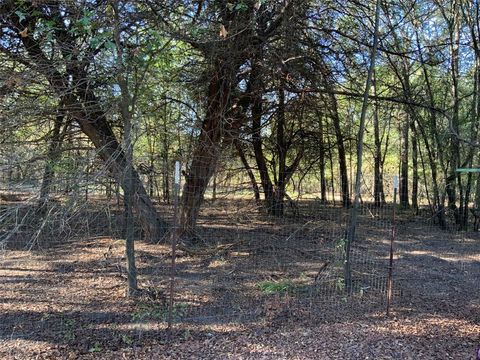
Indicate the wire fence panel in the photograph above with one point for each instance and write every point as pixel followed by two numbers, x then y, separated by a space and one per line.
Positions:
pixel 64 268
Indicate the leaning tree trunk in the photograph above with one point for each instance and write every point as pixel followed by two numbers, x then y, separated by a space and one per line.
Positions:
pixel 83 106
pixel 95 126
pixel 436 142
pixel 206 152
pixel 248 169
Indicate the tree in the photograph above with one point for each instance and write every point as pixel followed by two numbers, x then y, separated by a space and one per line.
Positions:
pixel 30 31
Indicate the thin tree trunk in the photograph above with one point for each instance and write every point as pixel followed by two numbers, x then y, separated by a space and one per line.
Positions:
pixel 404 163
pixel 358 178
pixel 248 169
pixel 379 195
pixel 128 189
pixel 52 156
pixel 424 173
pixel 414 167
pixel 332 170
pixel 278 207
pixel 342 161
pixel 166 160
pixel 436 142
pixel 321 155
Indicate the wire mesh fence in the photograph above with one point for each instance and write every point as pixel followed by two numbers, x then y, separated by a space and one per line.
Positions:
pixel 65 261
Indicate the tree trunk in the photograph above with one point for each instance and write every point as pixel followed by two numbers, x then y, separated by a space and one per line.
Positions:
pixel 321 156
pixel 342 161
pixel 436 143
pixel 404 163
pixel 248 169
pixel 281 146
pixel 351 231
pixel 166 160
pixel 257 112
pixel 96 127
pixel 453 178
pixel 414 167
pixel 379 195
pixel 126 104
pixel 52 156
pixel 207 150
pixel 83 106
pixel 332 170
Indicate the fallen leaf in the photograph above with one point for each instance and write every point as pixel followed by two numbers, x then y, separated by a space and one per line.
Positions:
pixel 223 32
pixel 24 33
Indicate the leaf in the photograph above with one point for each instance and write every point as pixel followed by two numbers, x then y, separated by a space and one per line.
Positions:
pixel 223 31
pixel 24 33
pixel 241 6
pixel 110 45
pixel 21 15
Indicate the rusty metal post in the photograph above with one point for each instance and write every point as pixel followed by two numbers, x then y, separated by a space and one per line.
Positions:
pixel 392 240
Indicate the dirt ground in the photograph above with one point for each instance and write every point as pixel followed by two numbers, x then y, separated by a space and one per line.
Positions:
pixel 255 297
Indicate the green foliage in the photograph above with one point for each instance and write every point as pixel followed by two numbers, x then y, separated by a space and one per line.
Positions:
pixel 95 348
pixel 70 330
pixel 127 339
pixel 21 15
pixel 276 287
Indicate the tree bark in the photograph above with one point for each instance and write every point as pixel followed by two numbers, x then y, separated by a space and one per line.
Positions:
pixel 321 156
pixel 379 195
pixel 404 163
pixel 207 149
pixel 453 178
pixel 342 160
pixel 248 169
pixel 414 167
pixel 358 177
pixel 126 107
pixel 52 156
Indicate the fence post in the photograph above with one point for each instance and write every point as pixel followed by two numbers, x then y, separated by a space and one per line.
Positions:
pixel 176 191
pixel 392 239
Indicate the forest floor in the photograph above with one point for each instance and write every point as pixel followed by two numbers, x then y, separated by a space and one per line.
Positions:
pixel 255 297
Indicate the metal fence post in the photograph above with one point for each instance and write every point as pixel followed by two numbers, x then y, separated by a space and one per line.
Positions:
pixel 392 240
pixel 176 191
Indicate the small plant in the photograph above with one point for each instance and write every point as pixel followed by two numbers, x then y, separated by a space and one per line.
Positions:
pixel 271 287
pixel 179 310
pixel 70 333
pixel 340 245
pixel 149 311
pixel 340 284
pixel 45 317
pixel 95 348
pixel 127 339
pixel 187 335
